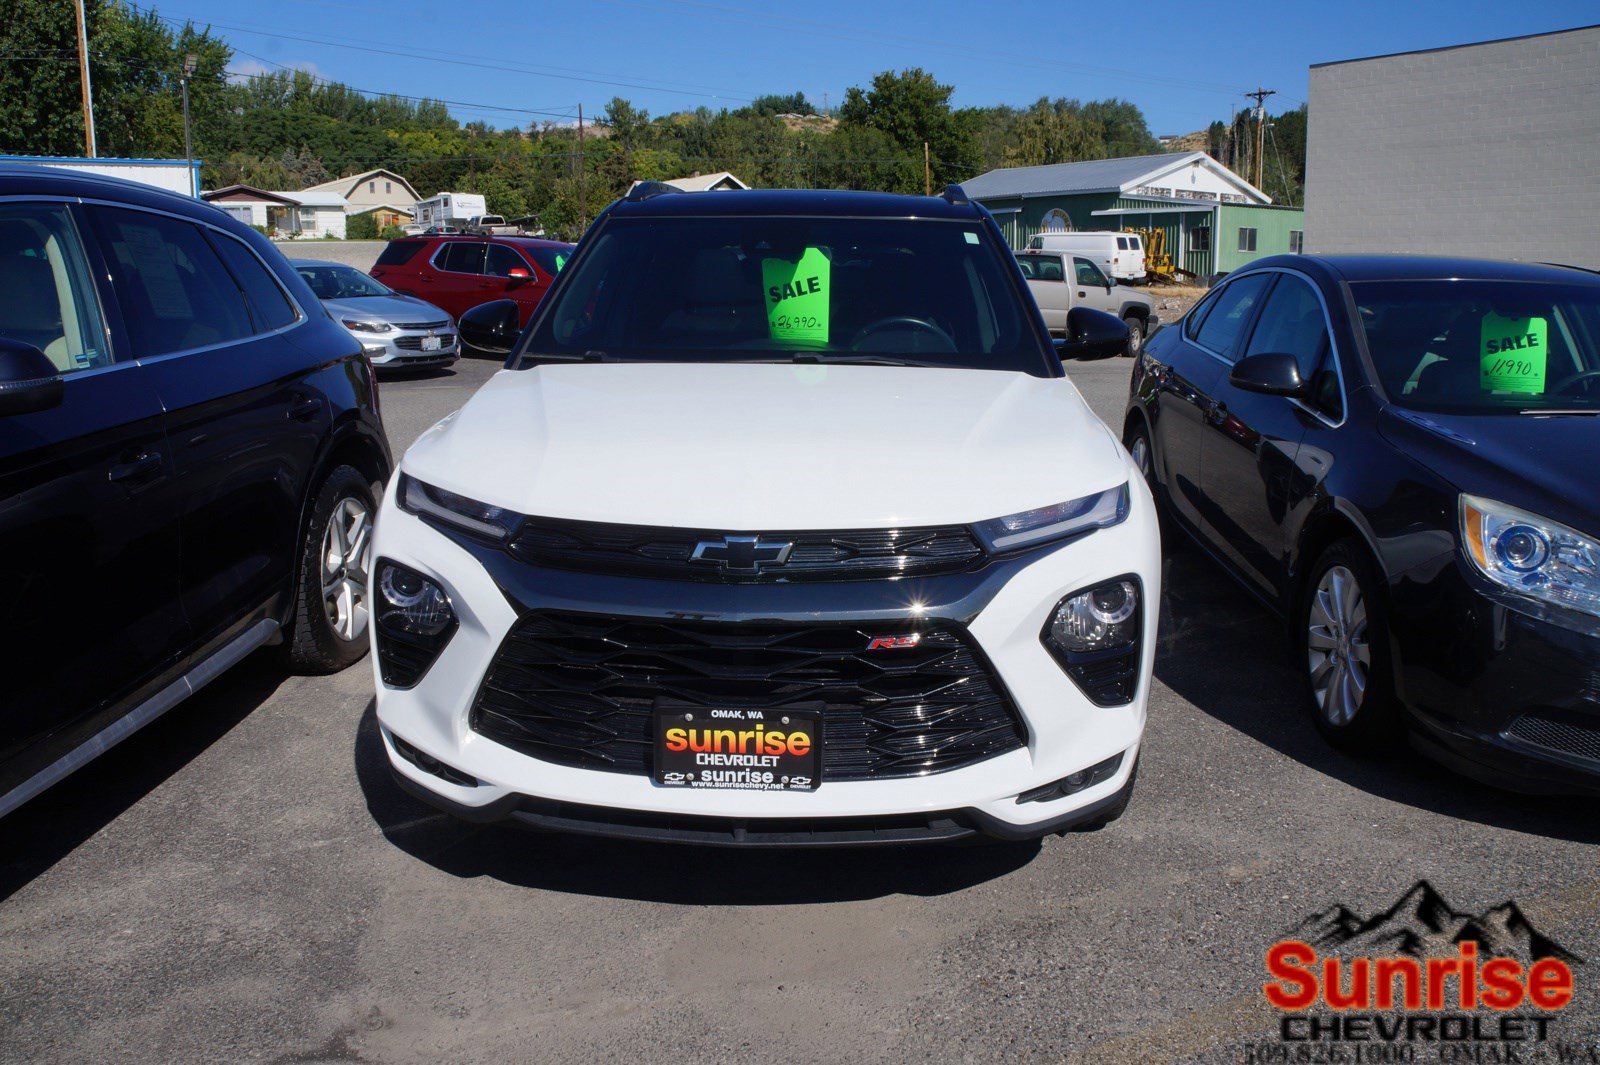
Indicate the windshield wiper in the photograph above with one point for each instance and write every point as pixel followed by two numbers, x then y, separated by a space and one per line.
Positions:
pixel 855 360
pixel 587 356
pixel 1562 410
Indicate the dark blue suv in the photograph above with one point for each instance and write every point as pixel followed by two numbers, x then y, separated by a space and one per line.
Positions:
pixel 190 450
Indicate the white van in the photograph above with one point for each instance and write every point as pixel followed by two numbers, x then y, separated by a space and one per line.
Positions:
pixel 1120 255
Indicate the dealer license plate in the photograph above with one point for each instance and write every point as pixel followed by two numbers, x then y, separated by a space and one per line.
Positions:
pixel 750 750
pixel 430 343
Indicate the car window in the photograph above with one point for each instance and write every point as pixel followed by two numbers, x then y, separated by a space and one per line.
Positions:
pixel 1229 313
pixel 1042 267
pixel 502 260
pixel 269 307
pixel 769 288
pixel 461 257
pixel 1122 243
pixel 174 292
pixel 399 252
pixel 46 296
pixel 550 259
pixel 1483 347
pixel 1292 323
pixel 1088 273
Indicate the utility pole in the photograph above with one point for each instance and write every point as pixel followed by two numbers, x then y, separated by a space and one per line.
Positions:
pixel 83 79
pixel 583 197
pixel 190 61
pixel 927 171
pixel 1261 126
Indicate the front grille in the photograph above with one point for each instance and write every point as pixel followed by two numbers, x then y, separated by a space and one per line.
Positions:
pixel 415 343
pixel 578 689
pixel 445 324
pixel 1574 740
pixel 646 551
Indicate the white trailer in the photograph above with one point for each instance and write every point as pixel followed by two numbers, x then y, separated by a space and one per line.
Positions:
pixel 449 209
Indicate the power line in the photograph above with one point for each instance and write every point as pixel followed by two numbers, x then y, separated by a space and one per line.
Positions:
pixel 396 51
pixel 840 31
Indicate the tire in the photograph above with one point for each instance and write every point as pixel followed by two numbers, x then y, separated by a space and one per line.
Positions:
pixel 1342 638
pixel 1137 440
pixel 329 631
pixel 1135 326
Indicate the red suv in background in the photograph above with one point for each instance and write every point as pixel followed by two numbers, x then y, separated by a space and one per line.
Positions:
pixel 458 273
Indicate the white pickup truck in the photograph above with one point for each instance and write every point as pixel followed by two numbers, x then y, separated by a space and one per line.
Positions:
pixel 1061 281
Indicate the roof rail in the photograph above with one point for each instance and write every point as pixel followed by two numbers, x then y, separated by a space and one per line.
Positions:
pixel 955 195
pixel 645 190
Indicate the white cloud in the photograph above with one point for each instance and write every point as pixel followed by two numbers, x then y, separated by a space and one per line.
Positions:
pixel 243 69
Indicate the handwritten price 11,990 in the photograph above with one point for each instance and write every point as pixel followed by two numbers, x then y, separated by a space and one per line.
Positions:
pixel 1511 368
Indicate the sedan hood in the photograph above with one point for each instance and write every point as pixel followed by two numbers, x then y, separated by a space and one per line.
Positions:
pixel 1543 464
pixel 395 309
pixel 762 447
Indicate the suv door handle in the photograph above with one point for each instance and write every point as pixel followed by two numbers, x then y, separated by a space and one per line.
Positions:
pixel 139 468
pixel 304 408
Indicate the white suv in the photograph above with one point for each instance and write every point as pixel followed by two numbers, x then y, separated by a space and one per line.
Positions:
pixel 781 526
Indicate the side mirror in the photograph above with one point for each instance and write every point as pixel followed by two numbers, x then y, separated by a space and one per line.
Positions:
pixel 1270 373
pixel 518 275
pixel 1092 334
pixel 492 326
pixel 29 381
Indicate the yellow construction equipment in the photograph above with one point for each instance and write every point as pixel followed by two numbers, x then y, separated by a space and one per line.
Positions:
pixel 1158 265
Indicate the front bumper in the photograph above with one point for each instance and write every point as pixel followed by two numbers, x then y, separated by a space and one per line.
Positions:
pixel 402 349
pixel 1003 608
pixel 1504 697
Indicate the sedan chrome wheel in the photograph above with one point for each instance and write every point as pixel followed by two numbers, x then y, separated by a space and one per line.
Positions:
pixel 1338 654
pixel 346 547
pixel 1140 452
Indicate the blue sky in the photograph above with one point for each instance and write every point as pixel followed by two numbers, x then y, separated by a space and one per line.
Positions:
pixel 509 62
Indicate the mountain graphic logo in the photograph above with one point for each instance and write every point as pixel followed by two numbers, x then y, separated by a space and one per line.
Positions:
pixel 1423 925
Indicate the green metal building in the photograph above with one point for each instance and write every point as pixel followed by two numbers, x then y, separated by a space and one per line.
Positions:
pixel 1214 220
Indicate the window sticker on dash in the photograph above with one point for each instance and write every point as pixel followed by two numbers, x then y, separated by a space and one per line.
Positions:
pixel 1511 356
pixel 797 296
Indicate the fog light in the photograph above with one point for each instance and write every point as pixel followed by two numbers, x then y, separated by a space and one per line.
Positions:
pixel 1098 773
pixel 1095 635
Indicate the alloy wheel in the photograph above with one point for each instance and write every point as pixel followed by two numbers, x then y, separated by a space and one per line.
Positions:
pixel 1338 654
pixel 346 549
pixel 1140 451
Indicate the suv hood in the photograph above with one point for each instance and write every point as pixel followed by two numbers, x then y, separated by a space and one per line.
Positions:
pixel 764 447
pixel 1542 464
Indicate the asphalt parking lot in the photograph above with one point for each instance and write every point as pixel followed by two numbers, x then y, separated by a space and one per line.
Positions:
pixel 242 881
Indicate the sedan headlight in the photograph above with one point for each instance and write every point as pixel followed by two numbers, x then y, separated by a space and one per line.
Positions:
pixel 1532 556
pixel 366 327
pixel 1055 522
pixel 458 511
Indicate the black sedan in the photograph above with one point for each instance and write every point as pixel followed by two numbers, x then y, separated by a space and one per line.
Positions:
pixel 1401 456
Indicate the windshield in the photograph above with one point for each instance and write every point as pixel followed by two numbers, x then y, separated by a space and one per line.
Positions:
pixel 340 282
pixel 1484 347
pixel 919 292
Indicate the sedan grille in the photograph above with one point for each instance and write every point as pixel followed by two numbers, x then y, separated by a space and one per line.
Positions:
pixel 1574 740
pixel 415 343
pixel 646 551
pixel 579 689
pixel 424 325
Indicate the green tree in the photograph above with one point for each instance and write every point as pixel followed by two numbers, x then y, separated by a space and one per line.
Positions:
pixel 911 108
pixel 361 227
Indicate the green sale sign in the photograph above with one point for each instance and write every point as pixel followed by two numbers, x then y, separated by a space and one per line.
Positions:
pixel 797 296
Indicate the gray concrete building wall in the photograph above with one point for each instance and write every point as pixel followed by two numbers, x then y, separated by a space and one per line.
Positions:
pixel 1487 149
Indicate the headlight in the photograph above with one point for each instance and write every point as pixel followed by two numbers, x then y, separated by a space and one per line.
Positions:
pixel 1094 634
pixel 1100 619
pixel 366 327
pixel 414 623
pixel 1532 556
pixel 1056 521
pixel 455 510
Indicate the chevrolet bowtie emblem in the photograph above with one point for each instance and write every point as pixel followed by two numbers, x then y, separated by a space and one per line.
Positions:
pixel 743 554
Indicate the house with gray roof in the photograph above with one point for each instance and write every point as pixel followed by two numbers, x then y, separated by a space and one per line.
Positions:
pixel 1209 219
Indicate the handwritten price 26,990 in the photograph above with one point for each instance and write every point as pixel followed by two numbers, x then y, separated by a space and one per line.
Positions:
pixel 785 322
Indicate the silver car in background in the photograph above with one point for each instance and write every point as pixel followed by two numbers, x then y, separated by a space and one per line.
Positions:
pixel 398 332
